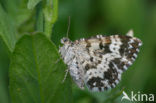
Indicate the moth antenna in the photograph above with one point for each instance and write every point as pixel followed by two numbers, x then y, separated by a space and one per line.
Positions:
pixel 68 26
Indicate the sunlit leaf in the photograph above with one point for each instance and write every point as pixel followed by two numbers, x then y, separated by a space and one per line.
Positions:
pixel 32 3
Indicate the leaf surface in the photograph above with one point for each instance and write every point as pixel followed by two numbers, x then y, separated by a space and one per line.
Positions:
pixel 35 77
pixel 32 3
pixel 7 30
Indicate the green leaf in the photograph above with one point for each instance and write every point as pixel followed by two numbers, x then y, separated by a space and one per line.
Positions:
pixel 7 30
pixel 35 77
pixel 32 3
pixel 4 66
pixel 18 11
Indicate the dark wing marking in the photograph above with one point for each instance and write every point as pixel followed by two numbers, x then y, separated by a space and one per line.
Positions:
pixel 109 61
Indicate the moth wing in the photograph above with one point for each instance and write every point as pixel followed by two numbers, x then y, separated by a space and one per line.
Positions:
pixel 109 57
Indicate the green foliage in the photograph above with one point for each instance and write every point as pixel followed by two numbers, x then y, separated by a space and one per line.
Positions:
pixel 17 10
pixel 50 13
pixel 7 30
pixel 35 76
pixel 4 67
pixel 32 3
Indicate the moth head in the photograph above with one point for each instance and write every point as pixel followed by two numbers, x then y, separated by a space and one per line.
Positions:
pixel 65 40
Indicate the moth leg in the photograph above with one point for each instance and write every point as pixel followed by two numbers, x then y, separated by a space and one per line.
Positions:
pixel 65 76
pixel 59 57
pixel 58 60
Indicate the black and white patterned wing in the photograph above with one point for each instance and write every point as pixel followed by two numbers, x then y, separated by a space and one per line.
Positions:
pixel 109 57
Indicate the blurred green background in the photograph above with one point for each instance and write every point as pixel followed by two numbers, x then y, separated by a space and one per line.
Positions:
pixel 92 17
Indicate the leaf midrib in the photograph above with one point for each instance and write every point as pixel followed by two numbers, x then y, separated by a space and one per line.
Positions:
pixel 37 69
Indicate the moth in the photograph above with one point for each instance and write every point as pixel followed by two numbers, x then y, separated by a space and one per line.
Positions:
pixel 98 62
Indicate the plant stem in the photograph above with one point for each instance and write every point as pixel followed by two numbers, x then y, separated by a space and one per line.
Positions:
pixel 39 25
pixel 50 15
